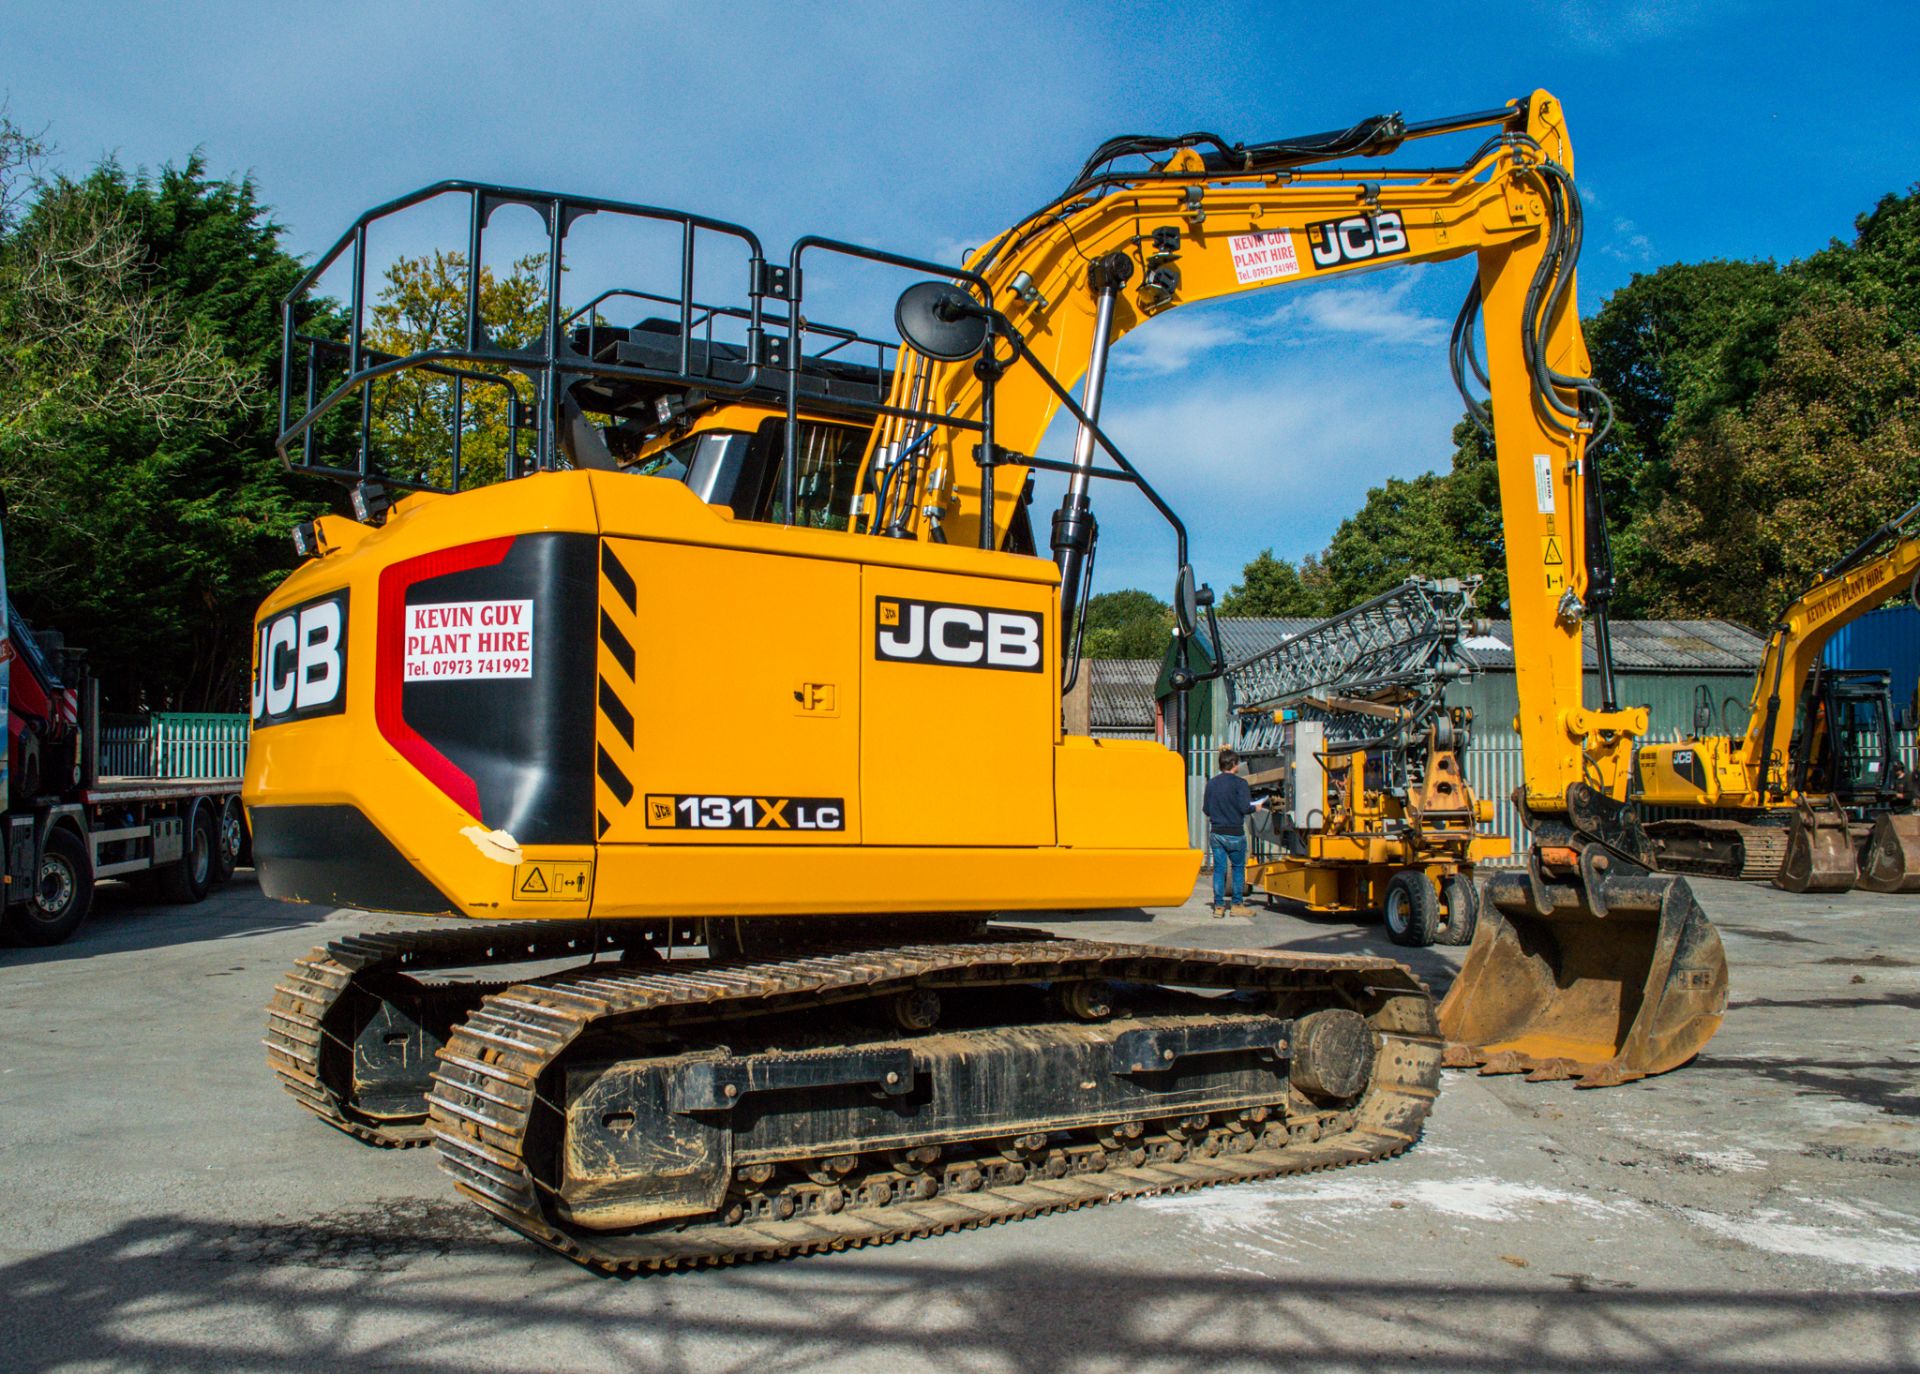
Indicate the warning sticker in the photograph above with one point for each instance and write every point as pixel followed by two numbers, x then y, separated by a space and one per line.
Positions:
pixel 1263 257
pixel 553 880
pixel 1553 558
pixel 469 640
pixel 1543 482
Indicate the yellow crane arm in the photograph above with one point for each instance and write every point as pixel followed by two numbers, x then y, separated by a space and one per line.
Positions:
pixel 1875 570
pixel 1120 248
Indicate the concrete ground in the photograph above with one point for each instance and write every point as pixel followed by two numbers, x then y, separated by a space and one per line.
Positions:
pixel 166 1207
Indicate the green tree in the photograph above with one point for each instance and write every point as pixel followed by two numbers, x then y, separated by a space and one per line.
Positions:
pixel 1766 496
pixel 139 337
pixel 84 337
pixel 423 305
pixel 1270 586
pixel 1673 348
pixel 1127 624
pixel 1881 267
pixel 1407 528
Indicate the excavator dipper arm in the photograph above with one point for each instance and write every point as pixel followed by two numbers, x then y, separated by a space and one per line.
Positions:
pixel 1591 966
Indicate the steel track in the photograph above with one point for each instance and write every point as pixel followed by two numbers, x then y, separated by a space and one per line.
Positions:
pixel 310 1043
pixel 1763 849
pixel 498 1067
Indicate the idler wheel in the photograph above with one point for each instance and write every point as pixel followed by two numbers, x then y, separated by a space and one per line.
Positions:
pixel 1332 1053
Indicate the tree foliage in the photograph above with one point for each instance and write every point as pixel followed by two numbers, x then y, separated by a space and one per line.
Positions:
pixel 423 305
pixel 1270 586
pixel 1763 422
pixel 1127 624
pixel 1765 496
pixel 139 336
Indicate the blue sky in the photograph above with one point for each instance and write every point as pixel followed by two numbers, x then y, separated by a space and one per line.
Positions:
pixel 1701 130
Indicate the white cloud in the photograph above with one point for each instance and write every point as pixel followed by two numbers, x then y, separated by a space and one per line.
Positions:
pixel 1174 342
pixel 1627 243
pixel 1609 25
pixel 1256 454
pixel 1379 314
pixel 1386 313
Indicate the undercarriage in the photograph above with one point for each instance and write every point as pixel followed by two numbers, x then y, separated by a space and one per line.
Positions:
pixel 650 1111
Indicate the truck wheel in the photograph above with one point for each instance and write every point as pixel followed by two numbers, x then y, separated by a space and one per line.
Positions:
pixel 62 893
pixel 1412 908
pixel 1463 910
pixel 191 878
pixel 232 836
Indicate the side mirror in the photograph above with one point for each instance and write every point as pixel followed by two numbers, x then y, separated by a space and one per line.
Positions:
pixel 1186 602
pixel 941 321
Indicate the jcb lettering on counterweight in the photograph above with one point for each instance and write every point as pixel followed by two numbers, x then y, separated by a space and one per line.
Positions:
pixel 674 811
pixel 300 662
pixel 955 636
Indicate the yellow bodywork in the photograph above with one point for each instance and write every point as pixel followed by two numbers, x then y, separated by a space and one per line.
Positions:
pixel 940 814
pixel 1751 770
pixel 1368 836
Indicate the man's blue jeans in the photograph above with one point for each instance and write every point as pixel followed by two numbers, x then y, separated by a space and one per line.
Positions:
pixel 1229 855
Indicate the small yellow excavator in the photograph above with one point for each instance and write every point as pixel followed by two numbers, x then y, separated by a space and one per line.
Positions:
pixel 1818 752
pixel 725 672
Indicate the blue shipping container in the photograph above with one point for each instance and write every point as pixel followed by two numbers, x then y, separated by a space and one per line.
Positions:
pixel 1888 638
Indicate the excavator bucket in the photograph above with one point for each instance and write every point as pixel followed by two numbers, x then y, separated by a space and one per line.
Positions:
pixel 1891 860
pixel 1820 853
pixel 1604 981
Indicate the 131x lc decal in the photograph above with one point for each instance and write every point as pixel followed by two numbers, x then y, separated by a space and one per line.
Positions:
pixel 675 811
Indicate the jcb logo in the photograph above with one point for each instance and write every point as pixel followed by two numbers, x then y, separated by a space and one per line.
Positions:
pixel 1357 239
pixel 300 662
pixel 957 636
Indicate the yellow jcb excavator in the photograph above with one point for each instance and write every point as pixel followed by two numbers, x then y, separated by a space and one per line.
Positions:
pixel 732 678
pixel 1818 749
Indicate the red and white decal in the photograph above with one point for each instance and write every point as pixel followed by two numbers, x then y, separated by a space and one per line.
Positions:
pixel 468 641
pixel 1263 257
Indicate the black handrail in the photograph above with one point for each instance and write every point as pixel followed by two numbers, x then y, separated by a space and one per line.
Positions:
pixel 548 362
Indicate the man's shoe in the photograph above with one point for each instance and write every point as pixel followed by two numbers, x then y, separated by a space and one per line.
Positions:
pixel 1217 910
pixel 1241 909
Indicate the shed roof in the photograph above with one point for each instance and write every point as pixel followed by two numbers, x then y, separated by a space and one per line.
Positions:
pixel 1120 693
pixel 1639 646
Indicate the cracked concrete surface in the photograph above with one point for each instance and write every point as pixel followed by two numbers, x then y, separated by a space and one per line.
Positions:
pixel 167 1207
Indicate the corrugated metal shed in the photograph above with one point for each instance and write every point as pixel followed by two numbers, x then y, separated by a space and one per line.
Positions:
pixel 1120 697
pixel 1888 638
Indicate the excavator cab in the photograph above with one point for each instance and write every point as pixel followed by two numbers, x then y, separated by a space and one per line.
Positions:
pixel 1849 746
pixel 1870 834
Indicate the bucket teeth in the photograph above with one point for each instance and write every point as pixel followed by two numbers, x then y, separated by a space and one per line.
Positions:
pixel 1507 1061
pixel 1553 1071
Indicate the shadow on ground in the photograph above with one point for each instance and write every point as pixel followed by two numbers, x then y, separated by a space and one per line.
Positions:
pixel 126 919
pixel 386 1287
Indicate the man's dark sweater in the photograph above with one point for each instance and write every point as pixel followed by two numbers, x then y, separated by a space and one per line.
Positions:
pixel 1229 802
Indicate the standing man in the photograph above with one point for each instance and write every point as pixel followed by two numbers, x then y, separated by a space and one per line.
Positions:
pixel 1228 804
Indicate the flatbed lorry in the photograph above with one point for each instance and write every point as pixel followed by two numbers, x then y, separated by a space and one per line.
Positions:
pixel 64 825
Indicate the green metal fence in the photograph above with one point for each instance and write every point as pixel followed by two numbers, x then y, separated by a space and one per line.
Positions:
pixel 176 744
